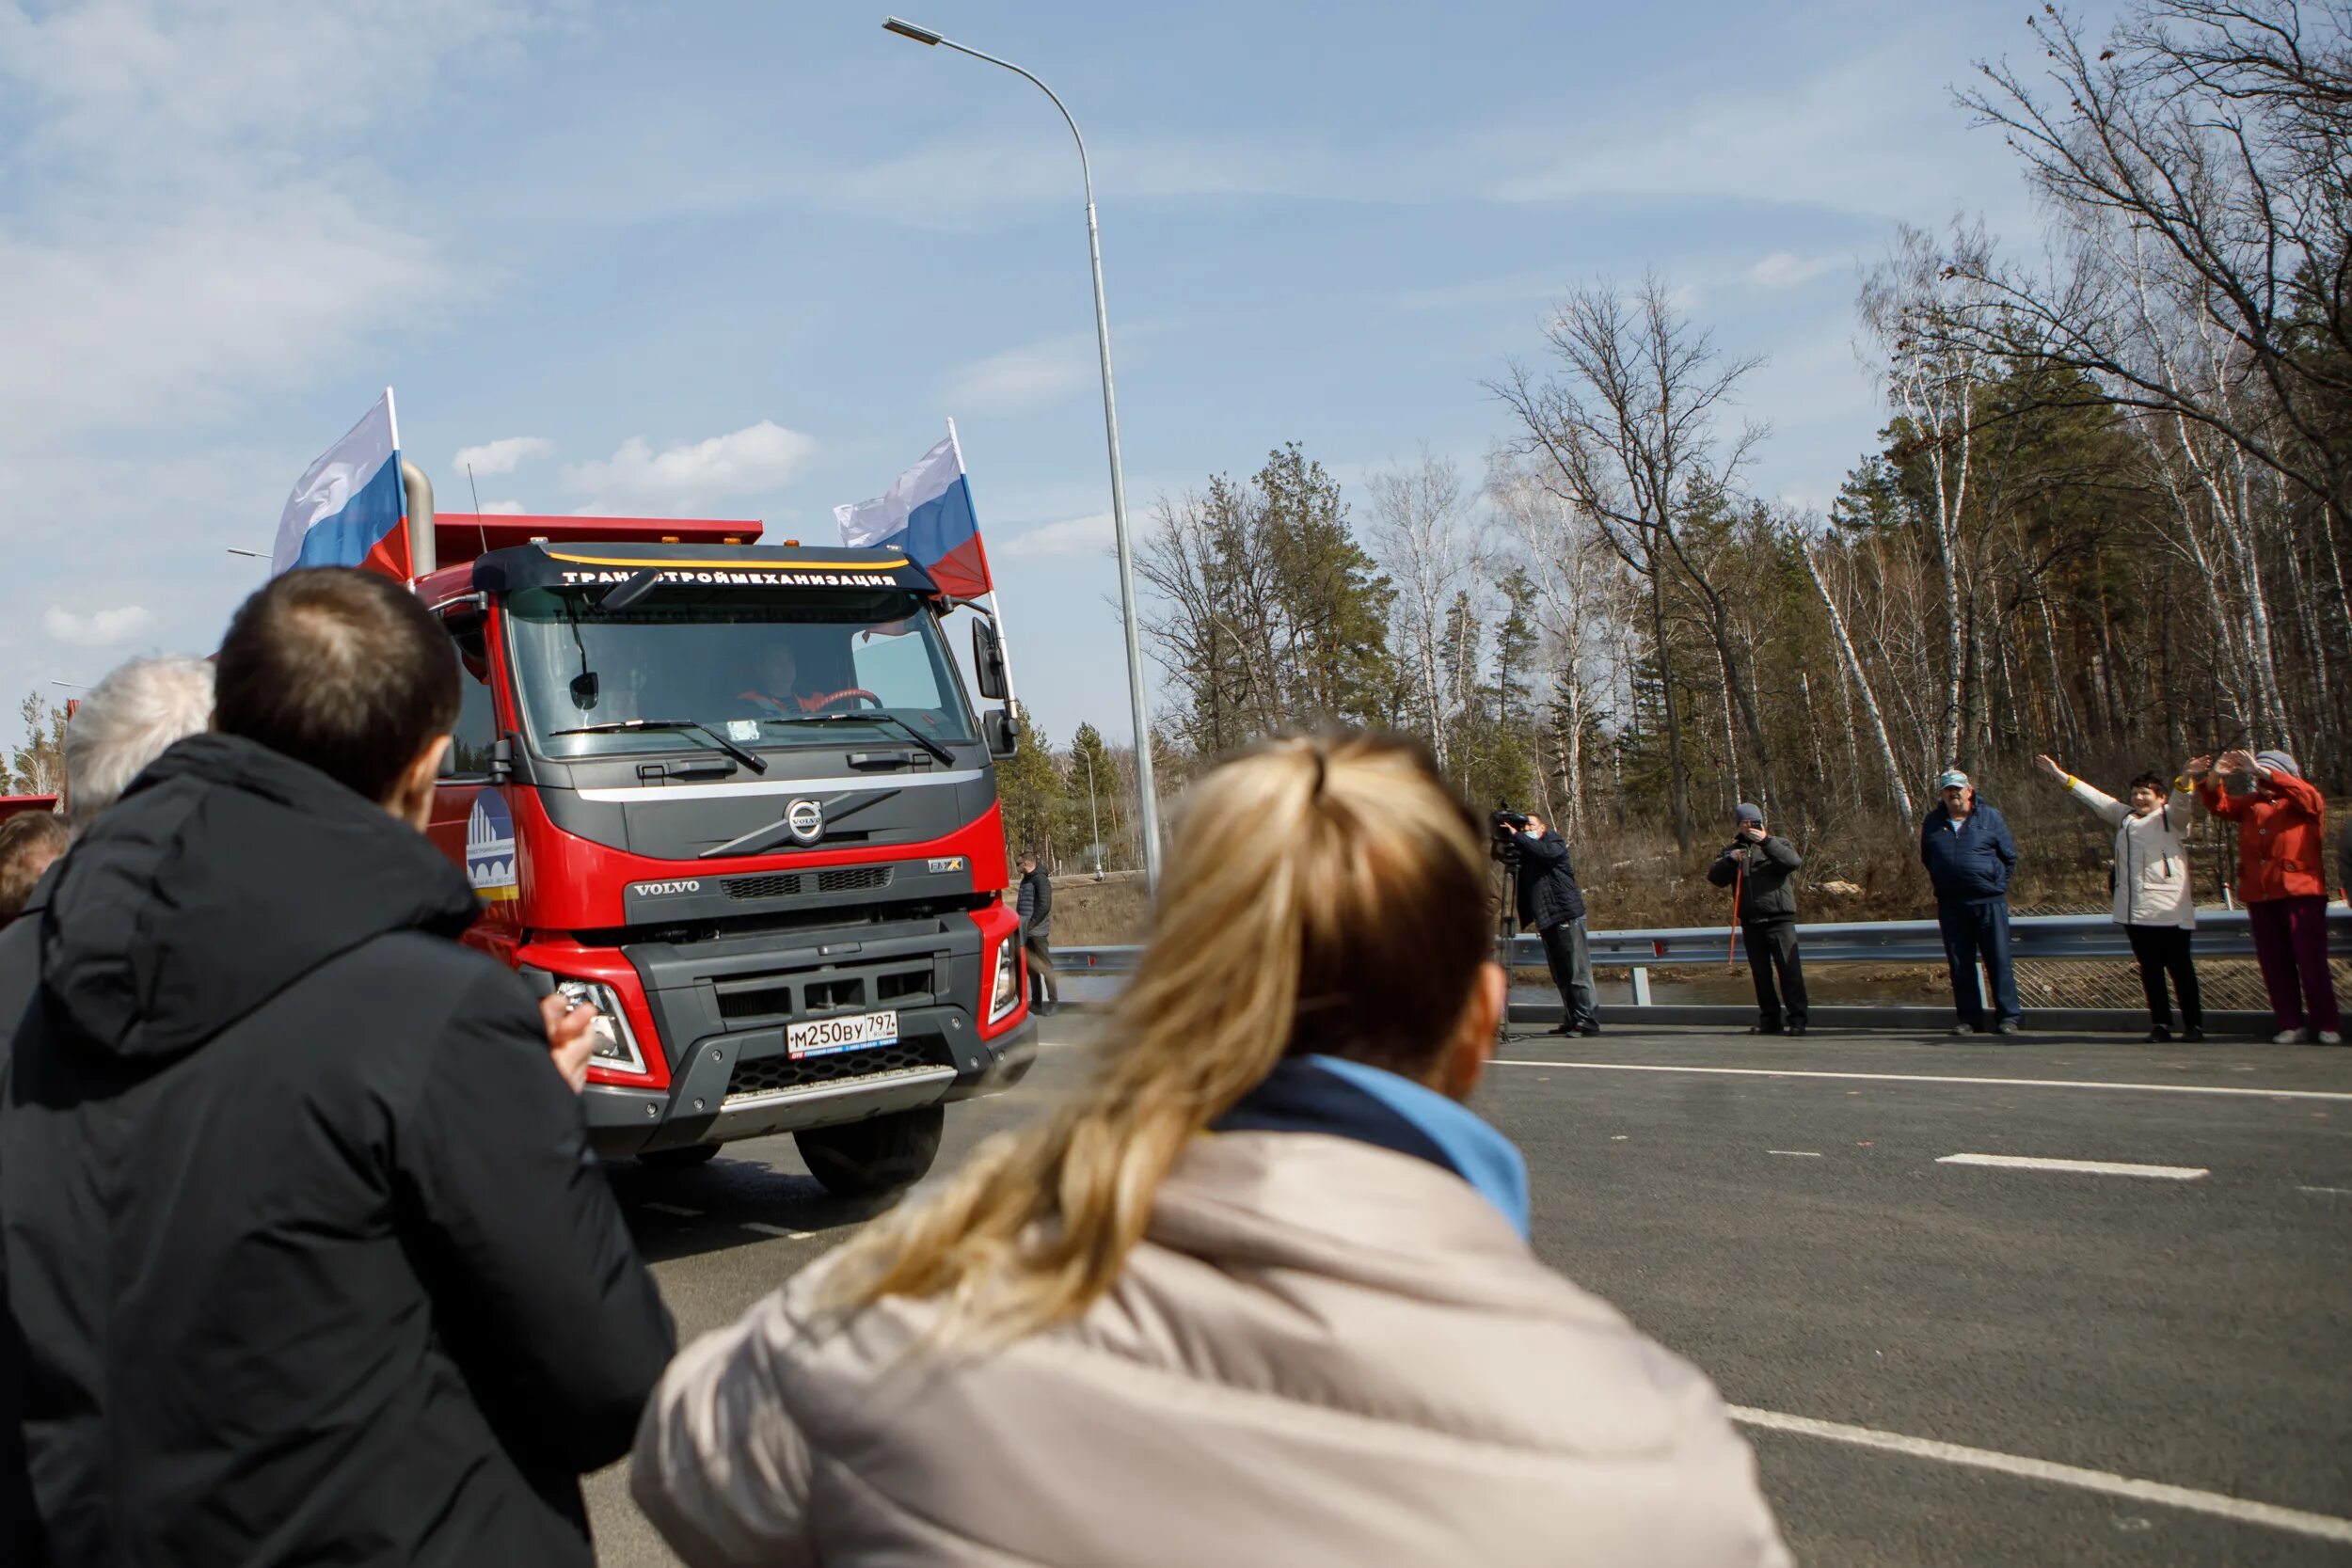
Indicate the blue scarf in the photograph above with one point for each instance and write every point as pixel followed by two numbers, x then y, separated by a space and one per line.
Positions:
pixel 1348 1099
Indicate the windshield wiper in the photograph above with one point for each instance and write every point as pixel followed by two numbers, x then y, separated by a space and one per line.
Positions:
pixel 752 760
pixel 933 747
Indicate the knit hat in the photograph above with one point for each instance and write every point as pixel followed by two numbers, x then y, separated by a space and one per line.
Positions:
pixel 2277 762
pixel 1951 778
pixel 1746 812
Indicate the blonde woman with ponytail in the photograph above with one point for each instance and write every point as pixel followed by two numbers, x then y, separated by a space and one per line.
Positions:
pixel 1261 1293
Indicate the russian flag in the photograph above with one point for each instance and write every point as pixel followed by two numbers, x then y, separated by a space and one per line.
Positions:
pixel 347 507
pixel 928 514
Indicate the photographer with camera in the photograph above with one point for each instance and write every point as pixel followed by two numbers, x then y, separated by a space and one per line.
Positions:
pixel 1757 865
pixel 1551 904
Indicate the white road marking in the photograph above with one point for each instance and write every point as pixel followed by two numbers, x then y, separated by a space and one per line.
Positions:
pixel 2324 1527
pixel 767 1230
pixel 1938 1078
pixel 2078 1167
pixel 2344 1192
pixel 672 1209
pixel 1796 1153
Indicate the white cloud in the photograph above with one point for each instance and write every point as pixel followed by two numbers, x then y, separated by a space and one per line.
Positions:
pixel 1022 380
pixel 685 474
pixel 192 233
pixel 503 456
pixel 505 509
pixel 1785 269
pixel 100 628
pixel 1074 536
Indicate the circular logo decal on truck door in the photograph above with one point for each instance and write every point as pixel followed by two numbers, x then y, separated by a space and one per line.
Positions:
pixel 490 847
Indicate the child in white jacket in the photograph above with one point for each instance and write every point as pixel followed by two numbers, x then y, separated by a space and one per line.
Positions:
pixel 2153 900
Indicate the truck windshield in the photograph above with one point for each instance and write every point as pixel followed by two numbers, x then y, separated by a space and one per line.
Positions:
pixel 739 660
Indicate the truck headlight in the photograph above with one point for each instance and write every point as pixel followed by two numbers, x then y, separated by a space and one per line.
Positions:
pixel 616 1047
pixel 1006 993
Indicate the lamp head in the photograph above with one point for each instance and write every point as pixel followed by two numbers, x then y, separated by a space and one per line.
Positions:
pixel 909 30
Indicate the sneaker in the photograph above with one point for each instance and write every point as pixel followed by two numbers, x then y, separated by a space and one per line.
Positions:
pixel 2195 1032
pixel 1796 1029
pixel 2157 1036
pixel 1963 1028
pixel 1589 1030
pixel 2287 1036
pixel 1760 1029
pixel 2330 1037
pixel 2007 1026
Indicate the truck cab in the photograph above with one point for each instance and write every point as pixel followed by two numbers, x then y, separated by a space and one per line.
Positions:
pixel 735 796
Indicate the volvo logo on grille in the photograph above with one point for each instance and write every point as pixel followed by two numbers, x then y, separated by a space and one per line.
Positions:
pixel 806 818
pixel 662 890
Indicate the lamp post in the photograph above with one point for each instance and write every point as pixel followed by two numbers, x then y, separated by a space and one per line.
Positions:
pixel 1138 705
pixel 1093 815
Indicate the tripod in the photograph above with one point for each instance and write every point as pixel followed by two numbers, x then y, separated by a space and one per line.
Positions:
pixel 1506 927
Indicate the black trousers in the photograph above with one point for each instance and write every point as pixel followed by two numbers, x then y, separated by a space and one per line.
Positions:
pixel 1770 947
pixel 1045 984
pixel 2164 950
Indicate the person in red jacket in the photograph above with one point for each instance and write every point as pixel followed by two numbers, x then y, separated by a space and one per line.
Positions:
pixel 2281 880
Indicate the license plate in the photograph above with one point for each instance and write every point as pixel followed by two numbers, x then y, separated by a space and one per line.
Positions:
pixel 824 1036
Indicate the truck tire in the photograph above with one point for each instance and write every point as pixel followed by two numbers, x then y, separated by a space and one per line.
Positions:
pixel 679 1159
pixel 867 1159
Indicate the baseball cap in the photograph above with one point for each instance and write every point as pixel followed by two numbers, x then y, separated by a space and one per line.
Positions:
pixel 1951 778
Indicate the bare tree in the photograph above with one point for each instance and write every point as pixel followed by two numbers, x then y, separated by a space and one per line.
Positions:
pixel 1627 429
pixel 1418 536
pixel 2209 145
pixel 1578 603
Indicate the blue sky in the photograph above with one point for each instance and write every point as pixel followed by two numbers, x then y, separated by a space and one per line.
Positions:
pixel 744 260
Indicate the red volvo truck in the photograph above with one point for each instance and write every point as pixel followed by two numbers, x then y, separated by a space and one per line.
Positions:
pixel 734 795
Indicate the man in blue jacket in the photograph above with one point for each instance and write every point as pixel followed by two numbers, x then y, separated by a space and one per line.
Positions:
pixel 1968 853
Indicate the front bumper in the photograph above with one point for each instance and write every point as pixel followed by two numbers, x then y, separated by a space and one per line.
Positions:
pixel 719 1010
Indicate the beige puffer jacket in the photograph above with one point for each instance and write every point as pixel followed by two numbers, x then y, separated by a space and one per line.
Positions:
pixel 1325 1355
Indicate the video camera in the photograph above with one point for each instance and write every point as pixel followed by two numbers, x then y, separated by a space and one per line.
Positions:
pixel 1506 825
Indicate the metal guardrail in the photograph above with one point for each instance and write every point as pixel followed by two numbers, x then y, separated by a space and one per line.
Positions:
pixel 2220 934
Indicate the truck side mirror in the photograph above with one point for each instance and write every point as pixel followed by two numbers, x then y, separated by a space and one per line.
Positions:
pixel 988 661
pixel 503 759
pixel 1004 732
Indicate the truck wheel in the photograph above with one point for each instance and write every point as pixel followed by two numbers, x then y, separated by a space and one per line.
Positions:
pixel 679 1159
pixel 866 1159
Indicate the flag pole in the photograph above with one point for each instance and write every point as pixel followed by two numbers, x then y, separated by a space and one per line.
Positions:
pixel 995 605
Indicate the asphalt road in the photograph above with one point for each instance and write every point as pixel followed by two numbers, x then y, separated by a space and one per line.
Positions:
pixel 1939 1362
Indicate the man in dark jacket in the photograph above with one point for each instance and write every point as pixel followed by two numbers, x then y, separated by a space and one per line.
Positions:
pixel 1758 867
pixel 1034 903
pixel 1551 904
pixel 306 1257
pixel 1968 853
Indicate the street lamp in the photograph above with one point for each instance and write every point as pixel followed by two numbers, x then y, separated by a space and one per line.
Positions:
pixel 1136 703
pixel 1093 815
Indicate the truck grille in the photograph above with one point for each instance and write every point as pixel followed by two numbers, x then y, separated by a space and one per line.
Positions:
pixel 782 886
pixel 768 997
pixel 788 884
pixel 768 1074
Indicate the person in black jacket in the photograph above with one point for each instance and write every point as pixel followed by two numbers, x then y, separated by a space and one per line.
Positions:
pixel 306 1257
pixel 1760 867
pixel 1034 905
pixel 1551 904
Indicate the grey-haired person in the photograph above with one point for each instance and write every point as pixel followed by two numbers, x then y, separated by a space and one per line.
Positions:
pixel 1965 845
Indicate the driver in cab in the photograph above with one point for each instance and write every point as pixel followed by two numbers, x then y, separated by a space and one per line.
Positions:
pixel 777 688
